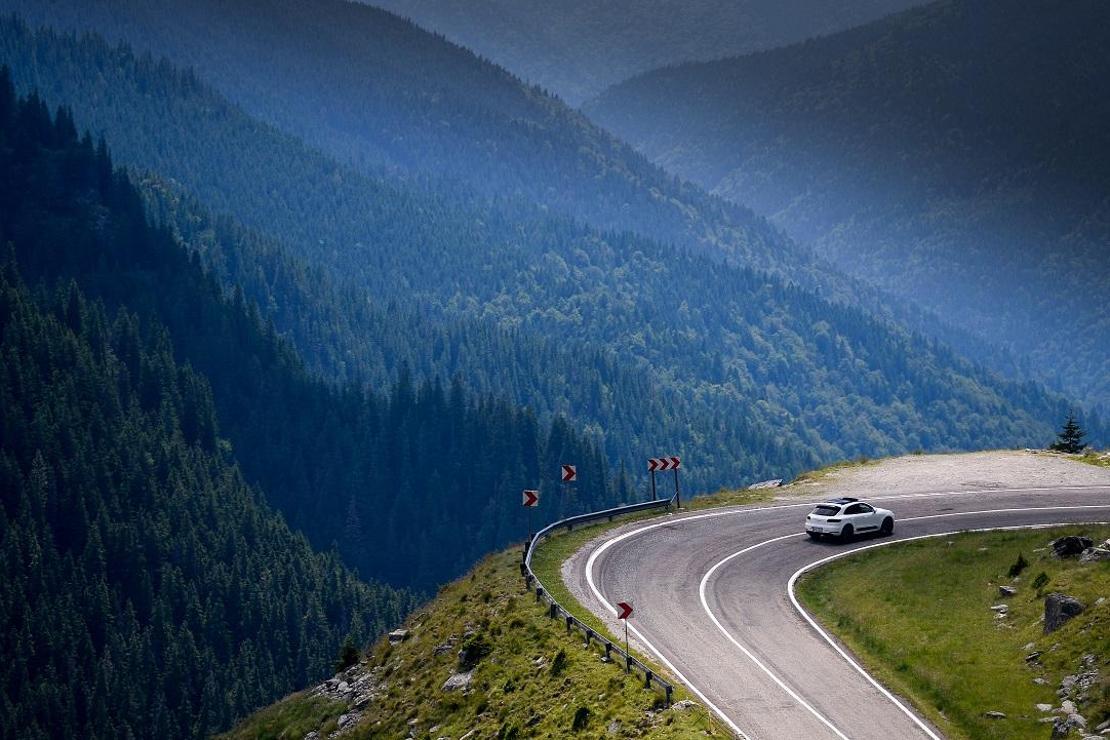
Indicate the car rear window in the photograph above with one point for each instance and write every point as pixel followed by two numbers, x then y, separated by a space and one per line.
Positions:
pixel 826 510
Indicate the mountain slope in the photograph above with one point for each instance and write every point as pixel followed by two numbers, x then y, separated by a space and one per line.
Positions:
pixel 954 155
pixel 752 378
pixel 577 48
pixel 146 589
pixel 412 472
pixel 374 91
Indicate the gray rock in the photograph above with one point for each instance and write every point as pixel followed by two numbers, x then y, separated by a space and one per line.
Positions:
pixel 1077 721
pixel 470 734
pixel 1033 657
pixel 1058 609
pixel 312 736
pixel 397 636
pixel 1001 608
pixel 994 715
pixel 614 728
pixel 1044 707
pixel 1006 590
pixel 442 648
pixel 1040 681
pixel 343 687
pixel 1070 546
pixel 458 682
pixel 344 720
pixel 1095 555
pixel 683 705
pixel 1103 726
pixel 1067 707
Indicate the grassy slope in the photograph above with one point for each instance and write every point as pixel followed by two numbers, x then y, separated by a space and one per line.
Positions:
pixel 512 695
pixel 895 607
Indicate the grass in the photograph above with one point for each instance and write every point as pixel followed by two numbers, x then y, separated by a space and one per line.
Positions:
pixel 918 616
pixel 536 680
pixel 293 717
pixel 1094 457
pixel 816 476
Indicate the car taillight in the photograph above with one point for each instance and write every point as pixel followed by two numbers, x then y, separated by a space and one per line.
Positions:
pixel 832 521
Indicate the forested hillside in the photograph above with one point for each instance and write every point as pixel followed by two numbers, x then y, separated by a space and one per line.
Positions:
pixel 955 155
pixel 145 589
pixel 410 472
pixel 374 91
pixel 577 48
pixel 664 350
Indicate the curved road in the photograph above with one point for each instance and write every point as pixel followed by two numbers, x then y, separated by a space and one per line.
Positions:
pixel 712 603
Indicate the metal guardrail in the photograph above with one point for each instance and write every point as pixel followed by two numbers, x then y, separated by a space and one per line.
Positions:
pixel 557 611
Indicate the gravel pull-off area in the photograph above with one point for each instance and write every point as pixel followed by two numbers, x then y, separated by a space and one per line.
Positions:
pixel 961 472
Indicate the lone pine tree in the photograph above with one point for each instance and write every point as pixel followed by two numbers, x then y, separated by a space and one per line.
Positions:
pixel 1070 438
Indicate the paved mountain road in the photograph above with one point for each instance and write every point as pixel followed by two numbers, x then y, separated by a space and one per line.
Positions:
pixel 712 603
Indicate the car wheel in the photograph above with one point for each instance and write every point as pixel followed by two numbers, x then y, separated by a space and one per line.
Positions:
pixel 814 535
pixel 847 532
pixel 888 526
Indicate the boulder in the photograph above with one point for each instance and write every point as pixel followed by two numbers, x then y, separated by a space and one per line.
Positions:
pixel 1098 554
pixel 1044 707
pixel 458 681
pixel 994 715
pixel 1000 608
pixel 1006 590
pixel 1070 546
pixel 1058 609
pixel 397 636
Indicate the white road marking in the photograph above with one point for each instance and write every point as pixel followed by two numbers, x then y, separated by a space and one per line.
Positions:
pixel 782 684
pixel 723 717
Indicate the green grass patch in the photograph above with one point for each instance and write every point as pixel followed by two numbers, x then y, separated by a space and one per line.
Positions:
pixel 918 616
pixel 815 476
pixel 532 679
pixel 293 717
pixel 1094 457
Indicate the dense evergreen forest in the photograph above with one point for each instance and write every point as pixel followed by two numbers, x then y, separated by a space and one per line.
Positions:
pixel 586 46
pixel 730 373
pixel 955 155
pixel 146 590
pixel 421 465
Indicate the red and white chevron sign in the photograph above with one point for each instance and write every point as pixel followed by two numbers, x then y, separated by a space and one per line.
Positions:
pixel 530 498
pixel 663 463
pixel 570 473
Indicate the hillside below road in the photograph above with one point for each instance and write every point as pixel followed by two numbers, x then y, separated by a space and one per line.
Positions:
pixel 711 598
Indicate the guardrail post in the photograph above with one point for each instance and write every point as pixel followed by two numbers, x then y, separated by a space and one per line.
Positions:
pixel 570 623
pixel 627 663
pixel 554 611
pixel 589 636
pixel 668 689
pixel 608 649
pixel 523 569
pixel 539 593
pixel 647 678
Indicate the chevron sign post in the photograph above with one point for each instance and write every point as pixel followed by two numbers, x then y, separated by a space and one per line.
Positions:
pixel 530 499
pixel 569 473
pixel 657 464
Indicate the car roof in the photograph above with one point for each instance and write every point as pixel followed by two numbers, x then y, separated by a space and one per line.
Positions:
pixel 842 501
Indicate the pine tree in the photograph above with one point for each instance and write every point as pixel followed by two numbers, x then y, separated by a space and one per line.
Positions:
pixel 1070 438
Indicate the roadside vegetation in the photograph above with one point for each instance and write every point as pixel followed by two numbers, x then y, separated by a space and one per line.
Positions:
pixel 919 617
pixel 527 678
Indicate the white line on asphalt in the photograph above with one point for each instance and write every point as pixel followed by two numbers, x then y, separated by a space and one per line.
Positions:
pixel 782 684
pixel 619 538
pixel 813 623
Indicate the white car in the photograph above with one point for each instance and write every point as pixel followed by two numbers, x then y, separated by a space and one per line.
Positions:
pixel 846 517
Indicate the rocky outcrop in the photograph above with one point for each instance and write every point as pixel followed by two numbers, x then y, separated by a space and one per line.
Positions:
pixel 458 681
pixel 1070 546
pixel 1098 554
pixel 1058 609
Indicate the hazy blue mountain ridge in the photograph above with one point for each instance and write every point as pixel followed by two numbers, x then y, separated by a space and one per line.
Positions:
pixel 576 48
pixel 954 155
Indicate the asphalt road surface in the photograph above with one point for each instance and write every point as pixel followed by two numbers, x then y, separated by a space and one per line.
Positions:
pixel 713 603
